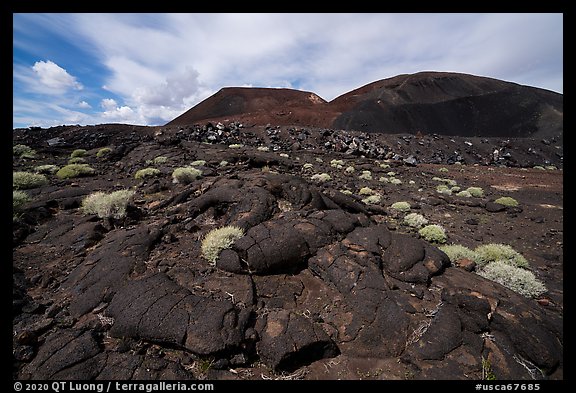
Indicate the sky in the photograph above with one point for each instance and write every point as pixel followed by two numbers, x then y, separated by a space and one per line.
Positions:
pixel 147 69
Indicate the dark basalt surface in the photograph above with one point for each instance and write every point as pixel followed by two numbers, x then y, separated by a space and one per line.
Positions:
pixel 321 286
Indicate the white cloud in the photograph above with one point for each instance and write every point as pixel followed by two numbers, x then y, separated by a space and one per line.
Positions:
pixel 115 113
pixel 84 105
pixel 53 76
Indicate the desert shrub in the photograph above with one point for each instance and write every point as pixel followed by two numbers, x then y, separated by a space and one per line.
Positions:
pixel 476 192
pixel 262 148
pixel 219 239
pixel 235 146
pixel 48 168
pixel 321 177
pixel 443 169
pixel 78 153
pixel 391 173
pixel 107 205
pixel 74 170
pixel 433 233
pixel 223 163
pixel 26 180
pixel 186 175
pixel 457 251
pixel 372 199
pixel 465 194
pixel 146 172
pixel 366 191
pixel 365 175
pixel 283 155
pixel 448 182
pixel 551 167
pixel 384 166
pixel 349 169
pixel 307 166
pixel 23 151
pixel 160 160
pixel 318 159
pixel 415 220
pixel 492 252
pixel 198 163
pixel 19 198
pixel 103 152
pixel 337 164
pixel 515 278
pixel 401 206
pixel 346 192
pixel 539 167
pixel 443 189
pixel 395 181
pixel 455 189
pixel 384 179
pixel 507 201
pixel 76 160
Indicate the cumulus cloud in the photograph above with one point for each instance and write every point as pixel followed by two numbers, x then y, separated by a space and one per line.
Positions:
pixel 115 113
pixel 84 105
pixel 53 76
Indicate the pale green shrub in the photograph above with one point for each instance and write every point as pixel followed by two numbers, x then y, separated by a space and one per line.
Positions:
pixel 515 278
pixel 365 175
pixel 433 233
pixel 321 177
pixel 23 150
pixel 160 160
pixel 107 205
pixel 186 175
pixel 493 252
pixel 146 172
pixel 415 220
pixel 337 164
pixel 366 191
pixel 46 169
pixel 395 181
pixel 74 170
pixel 198 163
pixel 218 240
pixel 507 201
pixel 457 251
pixel 19 199
pixel 78 153
pixel 24 180
pixel 465 194
pixel 401 206
pixel 372 199
pixel 476 192
pixel 76 160
pixel 103 152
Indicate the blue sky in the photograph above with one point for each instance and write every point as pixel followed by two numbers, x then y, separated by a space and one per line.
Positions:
pixel 149 68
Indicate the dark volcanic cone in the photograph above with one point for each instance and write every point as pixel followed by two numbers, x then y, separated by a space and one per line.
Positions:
pixel 426 102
